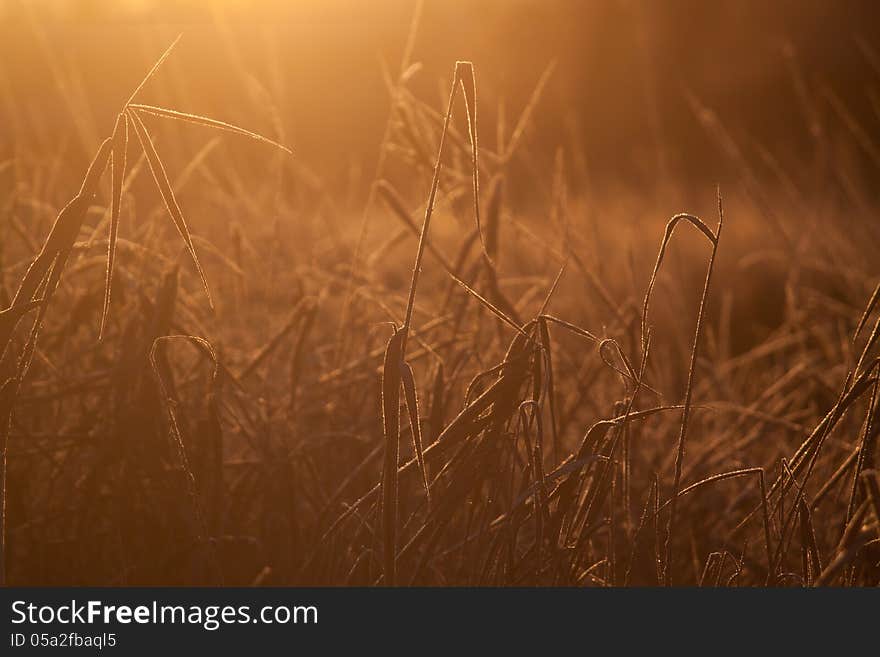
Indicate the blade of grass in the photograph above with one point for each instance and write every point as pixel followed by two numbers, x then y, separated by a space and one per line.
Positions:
pixel 464 71
pixel 391 374
pixel 412 407
pixel 161 179
pixel 118 155
pixel 685 414
pixel 152 70
pixel 205 121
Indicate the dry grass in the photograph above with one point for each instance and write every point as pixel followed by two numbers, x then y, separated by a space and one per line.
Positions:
pixel 557 433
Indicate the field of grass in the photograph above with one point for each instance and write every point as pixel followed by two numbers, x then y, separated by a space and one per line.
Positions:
pixel 463 364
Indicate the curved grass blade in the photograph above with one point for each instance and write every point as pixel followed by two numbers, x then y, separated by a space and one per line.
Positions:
pixel 165 380
pixel 117 171
pixel 700 225
pixel 59 241
pixel 206 121
pixel 765 506
pixel 464 71
pixel 412 407
pixel 161 178
pixel 391 373
pixel 714 238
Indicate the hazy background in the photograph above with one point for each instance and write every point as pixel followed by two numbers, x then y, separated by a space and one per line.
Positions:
pixel 617 97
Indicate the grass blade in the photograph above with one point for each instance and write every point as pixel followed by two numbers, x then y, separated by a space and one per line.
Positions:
pixel 205 121
pixel 412 407
pixel 685 414
pixel 161 178
pixel 118 155
pixel 152 70
pixel 391 373
pixel 464 71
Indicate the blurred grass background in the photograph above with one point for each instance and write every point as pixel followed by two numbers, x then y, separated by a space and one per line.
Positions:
pixel 623 70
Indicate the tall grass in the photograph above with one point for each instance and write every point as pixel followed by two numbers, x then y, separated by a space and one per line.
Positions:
pixel 552 429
